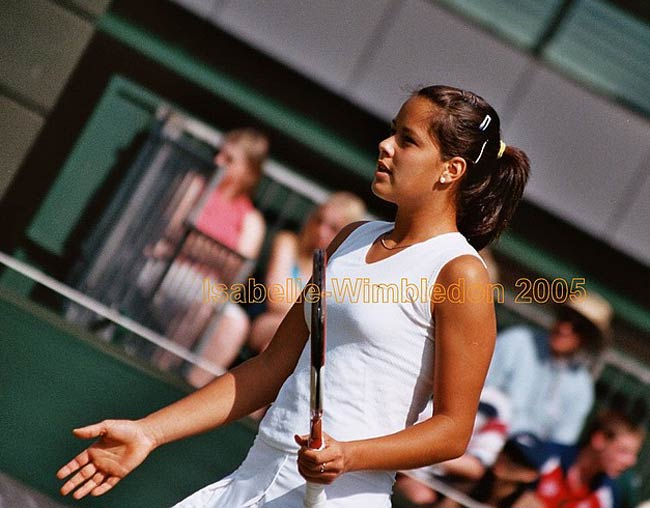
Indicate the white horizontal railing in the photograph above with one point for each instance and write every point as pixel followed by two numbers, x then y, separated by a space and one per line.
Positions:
pixel 108 313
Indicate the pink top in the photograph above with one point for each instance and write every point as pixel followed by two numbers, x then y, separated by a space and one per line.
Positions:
pixel 223 220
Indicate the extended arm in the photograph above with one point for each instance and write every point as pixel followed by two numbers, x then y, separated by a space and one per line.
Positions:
pixel 125 444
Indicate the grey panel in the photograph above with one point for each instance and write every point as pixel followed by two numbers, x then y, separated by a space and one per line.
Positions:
pixel 633 232
pixel 92 7
pixel 520 21
pixel 40 44
pixel 323 40
pixel 427 44
pixel 203 8
pixel 18 129
pixel 15 493
pixel 584 150
pixel 606 47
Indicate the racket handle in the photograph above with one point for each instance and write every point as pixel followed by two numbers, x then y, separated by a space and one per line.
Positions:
pixel 315 496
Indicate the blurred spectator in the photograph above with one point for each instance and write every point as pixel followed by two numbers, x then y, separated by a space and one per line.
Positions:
pixel 546 374
pixel 514 472
pixel 488 438
pixel 290 262
pixel 583 477
pixel 289 266
pixel 226 214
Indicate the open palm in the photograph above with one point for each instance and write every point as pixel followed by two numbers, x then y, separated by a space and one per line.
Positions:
pixel 122 446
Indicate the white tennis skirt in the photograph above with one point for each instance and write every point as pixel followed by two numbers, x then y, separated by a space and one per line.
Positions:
pixel 269 478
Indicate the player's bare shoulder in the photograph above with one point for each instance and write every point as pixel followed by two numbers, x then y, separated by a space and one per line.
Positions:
pixel 342 235
pixel 467 268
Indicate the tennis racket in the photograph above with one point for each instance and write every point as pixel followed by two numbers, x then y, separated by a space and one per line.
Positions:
pixel 315 493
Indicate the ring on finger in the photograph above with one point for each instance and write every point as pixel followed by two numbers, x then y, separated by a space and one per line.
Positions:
pixel 322 467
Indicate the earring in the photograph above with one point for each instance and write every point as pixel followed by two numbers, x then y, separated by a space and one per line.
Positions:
pixel 443 179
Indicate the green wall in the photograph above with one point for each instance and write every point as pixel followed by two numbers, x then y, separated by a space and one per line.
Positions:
pixel 54 377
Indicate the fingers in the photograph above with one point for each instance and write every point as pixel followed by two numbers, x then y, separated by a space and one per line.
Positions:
pixel 301 440
pixel 88 432
pixel 106 486
pixel 72 466
pixel 91 431
pixel 320 466
pixel 89 481
pixel 84 474
pixel 318 474
pixel 317 457
pixel 96 480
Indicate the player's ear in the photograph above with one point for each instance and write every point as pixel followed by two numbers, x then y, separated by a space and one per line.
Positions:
pixel 453 170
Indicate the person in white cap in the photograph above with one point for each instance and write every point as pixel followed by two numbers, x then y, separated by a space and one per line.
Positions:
pixel 546 374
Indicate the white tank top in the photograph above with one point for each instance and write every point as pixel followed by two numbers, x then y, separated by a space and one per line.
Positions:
pixel 379 357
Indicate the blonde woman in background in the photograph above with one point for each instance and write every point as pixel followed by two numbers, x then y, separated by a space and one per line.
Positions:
pixel 290 267
pixel 291 258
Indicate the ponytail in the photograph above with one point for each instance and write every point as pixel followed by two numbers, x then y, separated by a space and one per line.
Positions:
pixel 494 181
pixel 487 201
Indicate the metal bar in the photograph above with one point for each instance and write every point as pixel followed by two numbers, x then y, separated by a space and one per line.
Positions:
pixel 108 313
pixel 450 492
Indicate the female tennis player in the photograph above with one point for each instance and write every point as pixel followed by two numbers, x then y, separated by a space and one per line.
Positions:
pixel 455 185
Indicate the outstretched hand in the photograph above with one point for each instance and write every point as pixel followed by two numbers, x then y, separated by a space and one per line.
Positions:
pixel 321 466
pixel 122 446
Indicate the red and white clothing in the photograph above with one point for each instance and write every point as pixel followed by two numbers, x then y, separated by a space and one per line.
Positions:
pixel 224 220
pixel 556 491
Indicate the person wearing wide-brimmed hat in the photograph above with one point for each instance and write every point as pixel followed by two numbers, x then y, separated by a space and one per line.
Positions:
pixel 546 373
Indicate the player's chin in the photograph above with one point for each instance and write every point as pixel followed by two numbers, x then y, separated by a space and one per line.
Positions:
pixel 382 190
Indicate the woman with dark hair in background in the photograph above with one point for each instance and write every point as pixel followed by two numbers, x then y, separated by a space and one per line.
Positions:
pixel 455 185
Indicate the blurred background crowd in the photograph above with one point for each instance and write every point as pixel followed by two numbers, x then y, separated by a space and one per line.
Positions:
pixel 152 151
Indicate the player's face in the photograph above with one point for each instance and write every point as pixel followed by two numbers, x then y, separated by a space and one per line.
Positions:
pixel 619 453
pixel 409 163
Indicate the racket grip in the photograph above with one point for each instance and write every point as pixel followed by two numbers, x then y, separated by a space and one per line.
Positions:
pixel 315 496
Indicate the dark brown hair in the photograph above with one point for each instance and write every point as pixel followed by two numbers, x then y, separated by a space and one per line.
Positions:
pixel 613 422
pixel 467 126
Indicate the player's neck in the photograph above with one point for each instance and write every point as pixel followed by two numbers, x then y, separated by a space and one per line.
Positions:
pixel 413 226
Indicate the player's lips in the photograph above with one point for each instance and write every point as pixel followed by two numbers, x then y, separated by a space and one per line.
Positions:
pixel 382 168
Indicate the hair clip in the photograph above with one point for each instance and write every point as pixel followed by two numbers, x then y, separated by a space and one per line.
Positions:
pixel 480 154
pixel 485 123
